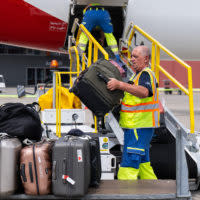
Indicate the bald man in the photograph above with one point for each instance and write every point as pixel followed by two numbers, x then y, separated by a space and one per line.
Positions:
pixel 139 116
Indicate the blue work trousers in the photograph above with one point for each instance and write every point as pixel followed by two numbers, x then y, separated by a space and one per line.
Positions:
pixel 136 147
pixel 99 17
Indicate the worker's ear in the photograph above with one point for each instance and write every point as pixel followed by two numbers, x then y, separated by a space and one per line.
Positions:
pixel 146 58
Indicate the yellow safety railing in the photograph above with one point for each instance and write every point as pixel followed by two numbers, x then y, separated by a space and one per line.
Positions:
pixel 93 48
pixel 58 99
pixel 156 67
pixel 59 84
pixel 92 45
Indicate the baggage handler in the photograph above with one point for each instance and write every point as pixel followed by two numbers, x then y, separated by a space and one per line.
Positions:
pixel 96 16
pixel 139 116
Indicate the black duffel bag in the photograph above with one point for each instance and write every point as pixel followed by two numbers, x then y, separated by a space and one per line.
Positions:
pixel 23 121
pixel 91 87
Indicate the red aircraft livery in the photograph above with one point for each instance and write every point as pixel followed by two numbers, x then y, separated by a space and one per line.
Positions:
pixel 34 24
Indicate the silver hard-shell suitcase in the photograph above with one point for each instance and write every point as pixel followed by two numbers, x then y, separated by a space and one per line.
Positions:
pixel 9 158
pixel 71 166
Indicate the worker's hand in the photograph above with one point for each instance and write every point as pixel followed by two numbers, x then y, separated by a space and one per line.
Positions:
pixel 113 84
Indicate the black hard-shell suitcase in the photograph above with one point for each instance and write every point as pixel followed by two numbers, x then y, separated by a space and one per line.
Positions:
pixel 71 166
pixel 91 87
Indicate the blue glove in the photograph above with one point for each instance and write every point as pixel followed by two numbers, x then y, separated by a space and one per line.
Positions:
pixel 118 60
pixel 117 57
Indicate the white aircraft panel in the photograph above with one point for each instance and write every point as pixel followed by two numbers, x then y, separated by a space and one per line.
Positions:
pixel 56 8
pixel 175 23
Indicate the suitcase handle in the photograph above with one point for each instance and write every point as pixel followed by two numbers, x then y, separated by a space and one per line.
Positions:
pixel 102 77
pixel 64 167
pixel 30 171
pixel 22 173
pixel 113 163
pixel 66 179
pixel 54 170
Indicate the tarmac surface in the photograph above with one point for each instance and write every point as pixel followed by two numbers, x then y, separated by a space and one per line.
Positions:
pixel 179 106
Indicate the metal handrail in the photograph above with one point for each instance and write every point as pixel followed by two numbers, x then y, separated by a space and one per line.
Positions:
pixel 74 48
pixel 58 99
pixel 92 42
pixel 97 47
pixel 155 65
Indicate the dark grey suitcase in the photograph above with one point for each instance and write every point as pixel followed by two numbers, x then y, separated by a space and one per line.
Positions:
pixel 71 166
pixel 95 158
pixel 91 87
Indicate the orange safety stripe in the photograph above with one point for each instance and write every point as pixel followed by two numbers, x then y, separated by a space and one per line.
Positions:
pixel 153 119
pixel 140 104
pixel 135 111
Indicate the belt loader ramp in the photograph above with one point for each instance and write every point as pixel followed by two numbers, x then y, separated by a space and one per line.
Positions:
pixel 186 140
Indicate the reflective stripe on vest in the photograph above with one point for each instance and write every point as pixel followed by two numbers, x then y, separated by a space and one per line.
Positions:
pixel 82 45
pixel 147 105
pixel 113 46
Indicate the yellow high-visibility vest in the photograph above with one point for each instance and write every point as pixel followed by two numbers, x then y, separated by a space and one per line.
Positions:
pixel 140 112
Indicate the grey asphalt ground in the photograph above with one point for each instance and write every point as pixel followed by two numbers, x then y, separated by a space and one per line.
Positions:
pixel 10 95
pixel 179 105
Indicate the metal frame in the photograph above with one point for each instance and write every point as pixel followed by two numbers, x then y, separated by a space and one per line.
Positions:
pixel 184 142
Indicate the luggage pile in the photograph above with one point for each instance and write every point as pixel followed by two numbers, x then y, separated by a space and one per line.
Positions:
pixel 65 167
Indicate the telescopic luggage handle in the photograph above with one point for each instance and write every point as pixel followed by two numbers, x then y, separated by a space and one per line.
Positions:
pixel 54 170
pixel 66 178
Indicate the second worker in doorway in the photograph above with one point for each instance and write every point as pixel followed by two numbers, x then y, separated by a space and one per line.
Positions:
pixel 96 15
